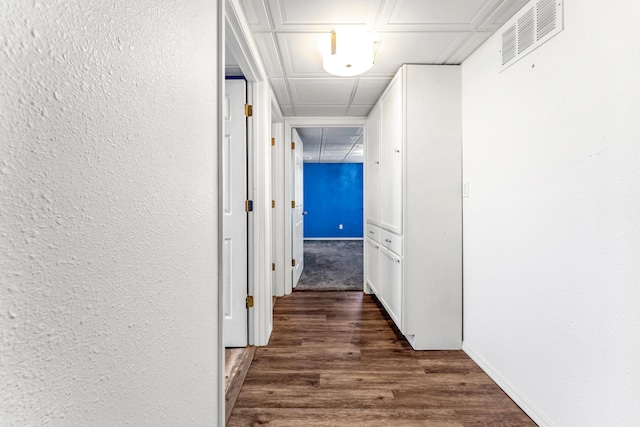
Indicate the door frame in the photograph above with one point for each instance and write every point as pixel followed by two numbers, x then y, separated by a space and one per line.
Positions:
pixel 240 43
pixel 277 179
pixel 302 122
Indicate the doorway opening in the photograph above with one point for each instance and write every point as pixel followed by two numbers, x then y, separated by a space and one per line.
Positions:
pixel 328 222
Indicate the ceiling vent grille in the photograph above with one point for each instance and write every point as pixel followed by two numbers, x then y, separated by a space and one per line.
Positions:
pixel 533 25
pixel 509 45
pixel 546 14
pixel 525 32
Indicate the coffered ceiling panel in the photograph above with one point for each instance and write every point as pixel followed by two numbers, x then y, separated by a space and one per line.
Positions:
pixel 435 13
pixel 414 48
pixel 332 144
pixel 320 110
pixel 369 90
pixel 297 15
pixel 301 55
pixel 322 91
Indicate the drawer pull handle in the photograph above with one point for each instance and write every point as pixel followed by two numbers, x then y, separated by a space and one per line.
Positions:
pixel 370 232
pixel 398 261
pixel 387 240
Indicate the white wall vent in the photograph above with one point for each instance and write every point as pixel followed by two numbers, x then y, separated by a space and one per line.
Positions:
pixel 533 25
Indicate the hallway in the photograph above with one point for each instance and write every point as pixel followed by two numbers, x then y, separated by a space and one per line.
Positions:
pixel 335 359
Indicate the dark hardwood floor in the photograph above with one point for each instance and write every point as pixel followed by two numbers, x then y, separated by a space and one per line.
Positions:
pixel 335 359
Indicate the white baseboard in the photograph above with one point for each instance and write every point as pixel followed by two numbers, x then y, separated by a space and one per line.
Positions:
pixel 529 408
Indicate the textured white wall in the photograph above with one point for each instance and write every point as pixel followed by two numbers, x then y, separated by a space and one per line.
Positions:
pixel 108 220
pixel 552 224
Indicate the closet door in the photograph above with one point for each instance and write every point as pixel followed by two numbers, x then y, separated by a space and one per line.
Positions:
pixel 391 280
pixel 391 157
pixel 372 164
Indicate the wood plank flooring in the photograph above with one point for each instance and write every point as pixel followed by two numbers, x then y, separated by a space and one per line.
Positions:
pixel 335 359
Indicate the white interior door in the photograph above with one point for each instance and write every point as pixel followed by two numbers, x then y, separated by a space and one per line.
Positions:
pixel 297 211
pixel 234 195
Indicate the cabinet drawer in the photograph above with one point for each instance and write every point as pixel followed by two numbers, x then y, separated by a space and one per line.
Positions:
pixel 372 232
pixel 391 241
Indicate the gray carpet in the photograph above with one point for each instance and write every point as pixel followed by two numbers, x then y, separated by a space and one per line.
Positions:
pixel 332 265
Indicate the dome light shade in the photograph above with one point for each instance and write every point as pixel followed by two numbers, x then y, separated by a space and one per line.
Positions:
pixel 349 53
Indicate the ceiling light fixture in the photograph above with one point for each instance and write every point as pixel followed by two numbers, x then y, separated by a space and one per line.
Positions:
pixel 347 53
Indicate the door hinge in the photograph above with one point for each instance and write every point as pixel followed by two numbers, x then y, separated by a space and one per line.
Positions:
pixel 293 204
pixel 248 110
pixel 293 145
pixel 249 301
pixel 248 205
pixel 273 203
pixel 273 266
pixel 293 263
pixel 273 141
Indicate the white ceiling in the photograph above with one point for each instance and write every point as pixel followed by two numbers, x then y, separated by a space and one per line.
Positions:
pixel 287 32
pixel 409 31
pixel 332 144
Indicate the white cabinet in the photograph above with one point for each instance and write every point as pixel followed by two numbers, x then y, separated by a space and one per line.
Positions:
pixel 391 152
pixel 372 167
pixel 419 218
pixel 372 266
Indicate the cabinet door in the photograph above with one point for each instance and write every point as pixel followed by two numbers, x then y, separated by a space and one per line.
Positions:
pixel 372 148
pixel 391 155
pixel 372 262
pixel 391 278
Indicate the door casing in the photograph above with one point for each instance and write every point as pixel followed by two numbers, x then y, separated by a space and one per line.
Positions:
pixel 301 122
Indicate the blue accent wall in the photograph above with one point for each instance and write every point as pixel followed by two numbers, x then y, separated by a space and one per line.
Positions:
pixel 333 196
